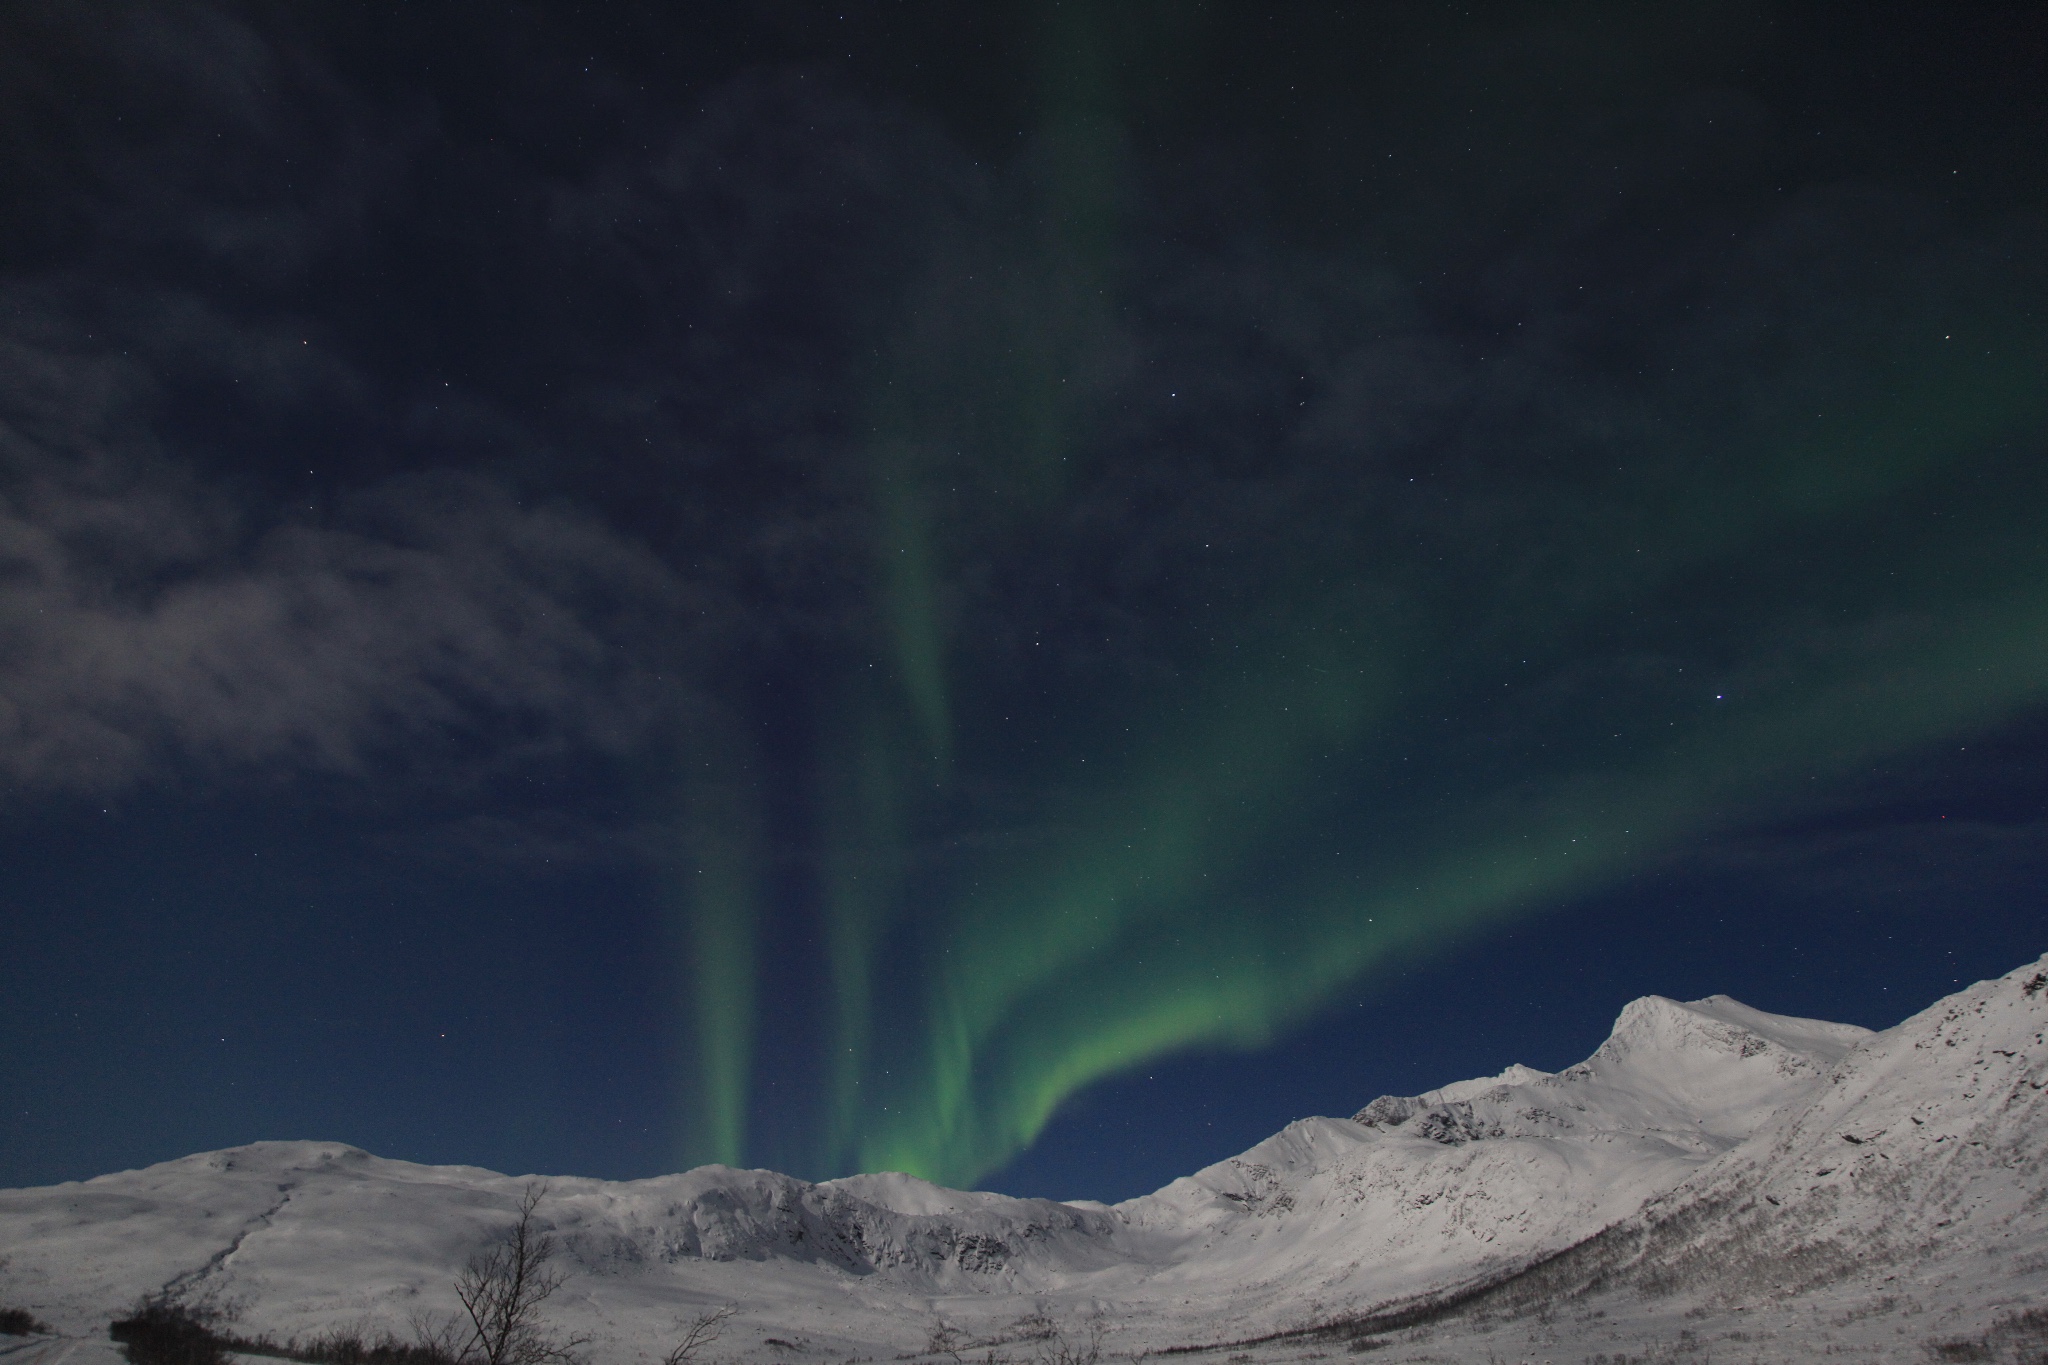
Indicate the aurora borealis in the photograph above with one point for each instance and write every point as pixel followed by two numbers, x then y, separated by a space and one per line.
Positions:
pixel 822 585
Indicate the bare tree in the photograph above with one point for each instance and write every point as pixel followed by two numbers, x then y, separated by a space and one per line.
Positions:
pixel 502 1289
pixel 945 1339
pixel 1084 1347
pixel 700 1333
pixel 1037 1325
pixel 440 1336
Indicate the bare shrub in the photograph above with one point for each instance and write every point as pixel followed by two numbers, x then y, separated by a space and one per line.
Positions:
pixel 441 1336
pixel 164 1329
pixel 1062 1347
pixel 502 1290
pixel 19 1322
pixel 1037 1325
pixel 355 1346
pixel 944 1339
pixel 2021 1338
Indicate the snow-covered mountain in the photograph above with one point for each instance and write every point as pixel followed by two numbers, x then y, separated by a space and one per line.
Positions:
pixel 1912 1188
pixel 1705 1147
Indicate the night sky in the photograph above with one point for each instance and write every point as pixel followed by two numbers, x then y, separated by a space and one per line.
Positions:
pixel 1021 592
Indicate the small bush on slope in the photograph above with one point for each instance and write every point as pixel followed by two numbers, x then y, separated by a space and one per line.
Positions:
pixel 2021 1338
pixel 163 1330
pixel 19 1322
pixel 167 1331
pixel 348 1347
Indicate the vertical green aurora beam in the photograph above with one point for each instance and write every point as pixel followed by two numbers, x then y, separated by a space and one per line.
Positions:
pixel 863 891
pixel 992 357
pixel 987 359
pixel 719 871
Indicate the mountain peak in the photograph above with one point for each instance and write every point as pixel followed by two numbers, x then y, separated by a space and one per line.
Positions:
pixel 1728 1063
pixel 1659 1026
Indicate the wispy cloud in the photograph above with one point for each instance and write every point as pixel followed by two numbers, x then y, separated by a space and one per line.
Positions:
pixel 148 619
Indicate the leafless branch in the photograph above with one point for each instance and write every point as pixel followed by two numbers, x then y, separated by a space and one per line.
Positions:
pixel 700 1333
pixel 502 1290
pixel 944 1339
pixel 1058 1347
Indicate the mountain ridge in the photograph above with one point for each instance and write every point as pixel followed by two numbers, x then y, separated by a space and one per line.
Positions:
pixel 1521 1179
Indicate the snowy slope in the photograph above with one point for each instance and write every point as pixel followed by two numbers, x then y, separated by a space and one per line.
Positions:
pixel 1923 1158
pixel 313 1235
pixel 1905 1204
pixel 1699 1115
pixel 1477 1177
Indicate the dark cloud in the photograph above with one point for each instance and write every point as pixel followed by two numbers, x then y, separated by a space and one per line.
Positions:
pixel 241 533
pixel 145 620
pixel 654 367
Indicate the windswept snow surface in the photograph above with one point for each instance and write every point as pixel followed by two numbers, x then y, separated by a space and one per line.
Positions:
pixel 1735 1160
